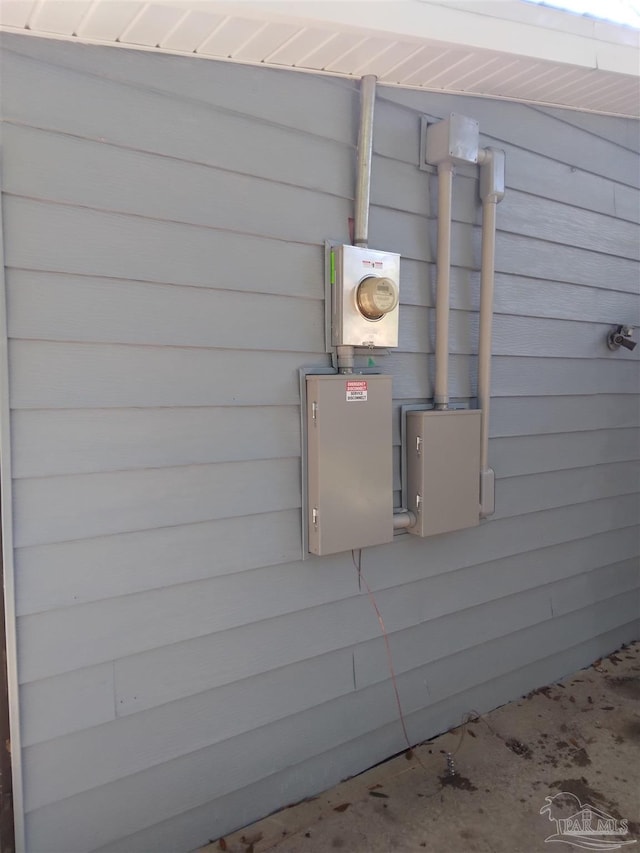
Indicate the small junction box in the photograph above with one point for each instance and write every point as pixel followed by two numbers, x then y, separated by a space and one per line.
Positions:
pixel 443 464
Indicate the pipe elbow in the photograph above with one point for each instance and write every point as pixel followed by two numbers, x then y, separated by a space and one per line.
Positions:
pixel 403 518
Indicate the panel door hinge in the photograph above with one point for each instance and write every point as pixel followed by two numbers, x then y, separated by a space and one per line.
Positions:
pixel 314 411
pixel 418 445
pixel 314 516
pixel 418 503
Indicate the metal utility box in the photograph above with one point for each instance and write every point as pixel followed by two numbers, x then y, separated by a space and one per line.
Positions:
pixel 349 462
pixel 455 139
pixel 365 295
pixel 443 470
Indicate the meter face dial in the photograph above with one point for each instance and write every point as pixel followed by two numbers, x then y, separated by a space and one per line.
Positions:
pixel 376 296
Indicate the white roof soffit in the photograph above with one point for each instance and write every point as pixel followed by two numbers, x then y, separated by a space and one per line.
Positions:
pixel 494 48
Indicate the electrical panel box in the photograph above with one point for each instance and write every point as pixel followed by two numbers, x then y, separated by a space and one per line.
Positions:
pixel 349 462
pixel 365 297
pixel 443 470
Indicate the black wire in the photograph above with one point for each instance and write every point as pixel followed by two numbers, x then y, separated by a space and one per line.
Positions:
pixel 358 564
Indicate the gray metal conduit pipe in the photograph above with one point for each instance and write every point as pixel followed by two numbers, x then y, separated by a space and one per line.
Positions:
pixel 491 162
pixel 364 156
pixel 443 278
pixel 401 518
pixel 363 188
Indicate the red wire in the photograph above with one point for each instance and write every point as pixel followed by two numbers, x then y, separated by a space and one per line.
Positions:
pixel 465 719
pixel 386 643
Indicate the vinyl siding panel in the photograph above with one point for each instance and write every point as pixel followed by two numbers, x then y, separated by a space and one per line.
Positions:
pixel 165 221
pixel 265 752
pixel 131 757
pixel 529 455
pixel 113 311
pixel 78 241
pixel 84 106
pixel 81 441
pixel 520 295
pixel 524 126
pixel 536 415
pixel 55 576
pixel 135 680
pixel 623 133
pixel 117 627
pixel 55 375
pixel 92 174
pixel 80 506
pixel 129 745
pixel 66 703
pixel 69 440
pixel 175 832
pixel 103 244
pixel 497 618
pixel 535 492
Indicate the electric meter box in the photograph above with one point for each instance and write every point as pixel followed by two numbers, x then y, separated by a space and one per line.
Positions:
pixel 443 470
pixel 349 462
pixel 365 295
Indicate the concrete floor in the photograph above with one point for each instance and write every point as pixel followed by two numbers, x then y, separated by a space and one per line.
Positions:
pixel 580 738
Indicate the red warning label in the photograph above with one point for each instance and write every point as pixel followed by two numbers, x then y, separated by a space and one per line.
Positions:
pixel 356 390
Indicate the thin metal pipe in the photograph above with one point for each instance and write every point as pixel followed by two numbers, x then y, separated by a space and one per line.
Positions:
pixel 345 354
pixel 491 192
pixel 403 518
pixel 345 359
pixel 445 195
pixel 364 156
pixel 486 324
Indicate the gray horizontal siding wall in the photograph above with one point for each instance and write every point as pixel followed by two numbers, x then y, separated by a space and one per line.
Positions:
pixel 164 225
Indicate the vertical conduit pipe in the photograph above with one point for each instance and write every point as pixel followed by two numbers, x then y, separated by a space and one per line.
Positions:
pixel 443 274
pixel 364 155
pixel 486 325
pixel 491 192
pixel 363 188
